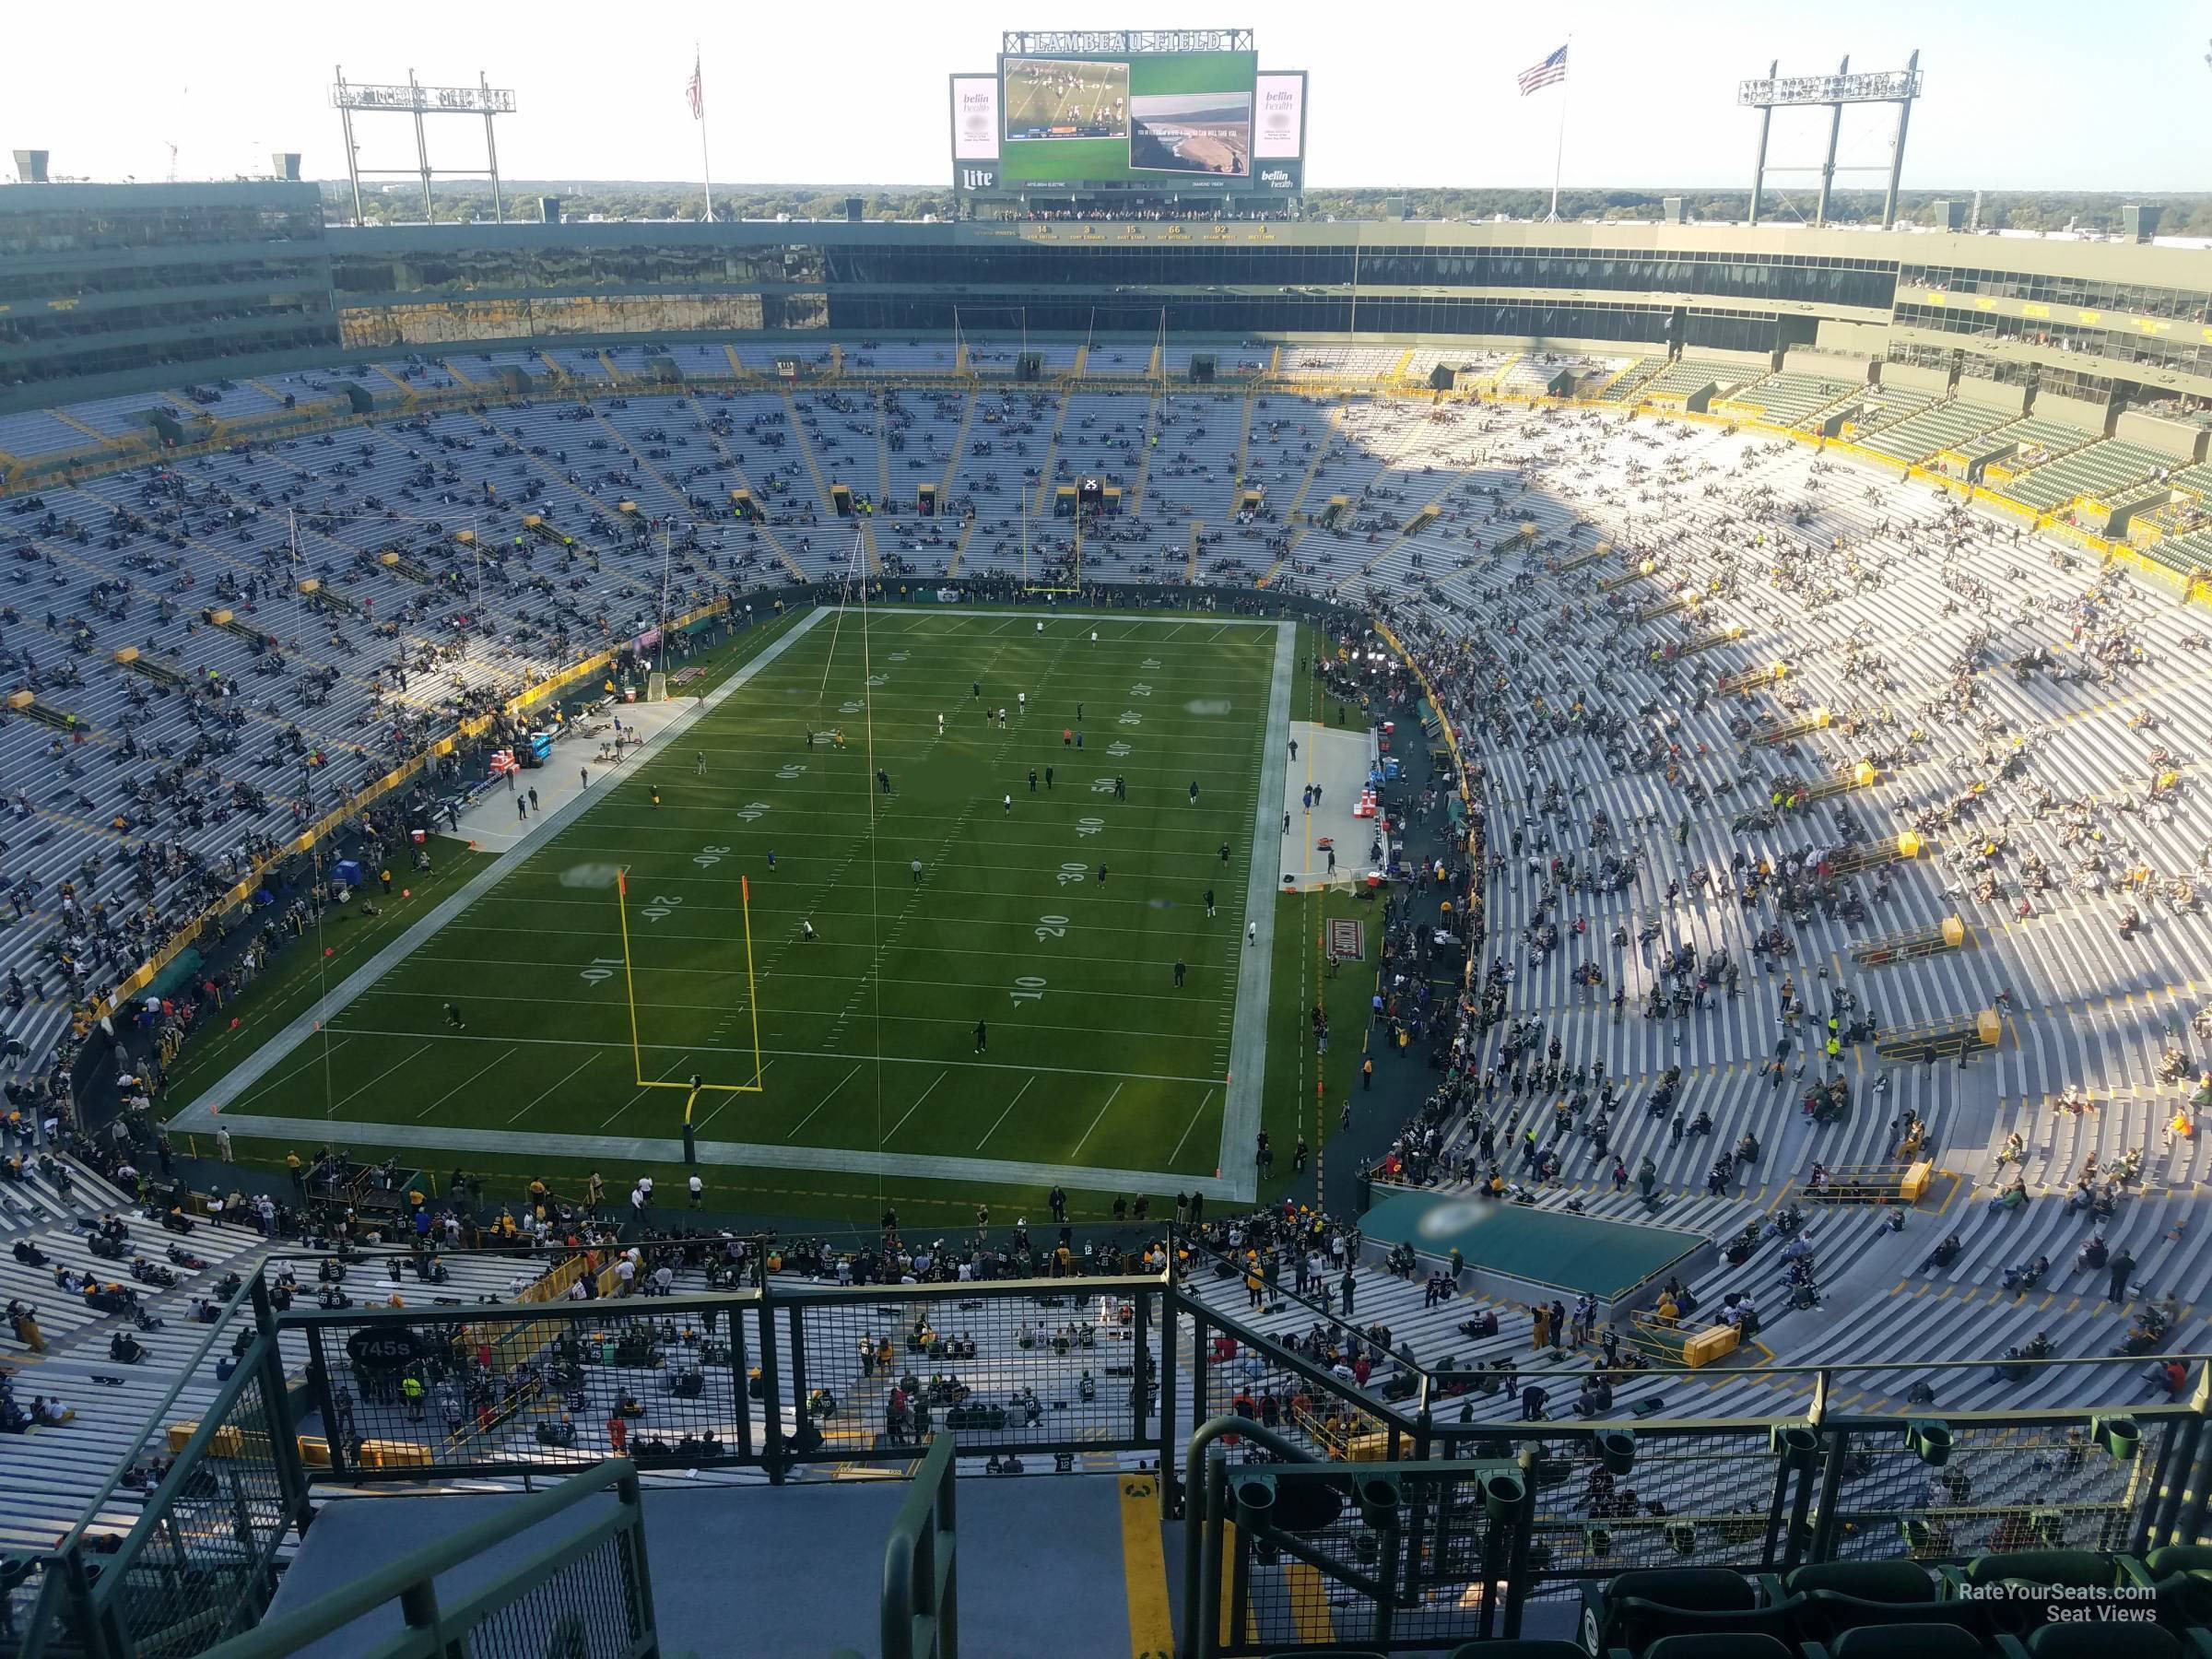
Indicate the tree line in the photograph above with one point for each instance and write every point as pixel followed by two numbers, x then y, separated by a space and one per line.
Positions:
pixel 2180 213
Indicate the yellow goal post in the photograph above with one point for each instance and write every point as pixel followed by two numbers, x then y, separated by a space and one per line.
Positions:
pixel 630 995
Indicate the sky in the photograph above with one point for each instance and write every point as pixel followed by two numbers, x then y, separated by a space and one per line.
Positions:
pixel 2031 94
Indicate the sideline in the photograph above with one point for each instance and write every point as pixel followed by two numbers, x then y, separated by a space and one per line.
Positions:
pixel 1239 1162
pixel 627 1150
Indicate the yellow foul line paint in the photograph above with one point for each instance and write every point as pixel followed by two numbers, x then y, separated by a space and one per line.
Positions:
pixel 1145 1566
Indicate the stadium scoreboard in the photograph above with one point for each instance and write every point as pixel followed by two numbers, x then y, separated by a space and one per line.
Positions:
pixel 1131 124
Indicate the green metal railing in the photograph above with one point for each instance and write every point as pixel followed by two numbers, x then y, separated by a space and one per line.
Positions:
pixel 158 1418
pixel 772 1377
pixel 202 1560
pixel 1434 1551
pixel 588 1592
pixel 790 1375
pixel 921 1607
pixel 56 1609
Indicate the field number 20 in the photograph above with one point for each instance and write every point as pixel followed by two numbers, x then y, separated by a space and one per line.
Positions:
pixel 1051 927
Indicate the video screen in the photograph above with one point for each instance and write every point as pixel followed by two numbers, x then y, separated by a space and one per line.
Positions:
pixel 1073 121
pixel 1191 133
pixel 1066 97
pixel 975 118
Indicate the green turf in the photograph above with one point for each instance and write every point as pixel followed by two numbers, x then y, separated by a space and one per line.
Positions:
pixel 866 1035
pixel 302 972
pixel 306 969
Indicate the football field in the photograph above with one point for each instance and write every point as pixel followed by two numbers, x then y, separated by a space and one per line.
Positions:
pixel 1011 1012
pixel 1092 97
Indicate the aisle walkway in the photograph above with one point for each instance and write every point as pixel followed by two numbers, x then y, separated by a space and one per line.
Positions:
pixel 1336 760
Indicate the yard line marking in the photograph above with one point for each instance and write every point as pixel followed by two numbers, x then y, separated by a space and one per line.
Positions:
pixel 915 1107
pixel 1095 1122
pixel 822 1102
pixel 623 1109
pixel 1059 1071
pixel 791 981
pixel 1002 1116
pixel 242 1079
pixel 551 1087
pixel 413 1054
pixel 1191 1125
pixel 464 1082
pixel 301 1069
pixel 727 1099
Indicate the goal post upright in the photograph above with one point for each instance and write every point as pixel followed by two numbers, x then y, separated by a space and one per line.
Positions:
pixel 630 989
pixel 752 999
pixel 629 995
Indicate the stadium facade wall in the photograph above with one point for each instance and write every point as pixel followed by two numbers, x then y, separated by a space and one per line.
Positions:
pixel 113 288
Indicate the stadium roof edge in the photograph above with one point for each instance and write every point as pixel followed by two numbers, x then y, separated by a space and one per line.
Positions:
pixel 202 193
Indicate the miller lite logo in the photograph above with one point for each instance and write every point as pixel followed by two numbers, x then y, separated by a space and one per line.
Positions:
pixel 977 178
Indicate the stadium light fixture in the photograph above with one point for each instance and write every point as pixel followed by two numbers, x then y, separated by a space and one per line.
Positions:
pixel 1777 91
pixel 1053 42
pixel 1884 86
pixel 416 100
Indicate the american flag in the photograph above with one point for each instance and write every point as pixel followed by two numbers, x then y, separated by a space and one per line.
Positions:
pixel 695 90
pixel 1538 75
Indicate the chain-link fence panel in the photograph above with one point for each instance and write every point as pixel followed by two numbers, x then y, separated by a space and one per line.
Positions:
pixel 1978 1487
pixel 579 1587
pixel 201 1567
pixel 663 1380
pixel 1278 1384
pixel 1377 1556
pixel 1057 1370
pixel 39 1610
pixel 1611 1500
pixel 595 1605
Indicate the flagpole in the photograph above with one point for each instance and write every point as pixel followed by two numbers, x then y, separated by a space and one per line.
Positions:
pixel 1559 152
pixel 705 176
pixel 706 172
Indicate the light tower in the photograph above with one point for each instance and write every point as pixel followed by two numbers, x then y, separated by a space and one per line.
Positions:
pixel 419 100
pixel 1898 86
